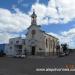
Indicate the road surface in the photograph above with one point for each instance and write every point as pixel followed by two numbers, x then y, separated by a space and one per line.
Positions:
pixel 36 65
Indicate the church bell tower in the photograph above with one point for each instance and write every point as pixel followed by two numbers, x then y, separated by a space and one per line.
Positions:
pixel 33 18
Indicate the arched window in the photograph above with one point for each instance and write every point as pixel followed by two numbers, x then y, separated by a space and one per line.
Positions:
pixel 17 42
pixel 46 43
pixel 33 32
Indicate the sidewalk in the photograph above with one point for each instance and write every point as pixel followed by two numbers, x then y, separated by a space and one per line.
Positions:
pixel 42 57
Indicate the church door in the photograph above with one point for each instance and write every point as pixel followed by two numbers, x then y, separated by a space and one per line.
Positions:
pixel 33 50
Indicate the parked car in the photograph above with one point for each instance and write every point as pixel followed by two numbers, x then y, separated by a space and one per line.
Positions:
pixel 23 56
pixel 20 56
pixel 61 54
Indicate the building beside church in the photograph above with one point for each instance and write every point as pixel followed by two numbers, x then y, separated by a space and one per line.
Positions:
pixel 37 42
pixel 16 46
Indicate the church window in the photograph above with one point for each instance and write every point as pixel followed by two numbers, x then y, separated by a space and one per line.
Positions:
pixel 17 42
pixel 33 32
pixel 20 46
pixel 23 41
pixel 40 48
pixel 10 47
pixel 51 43
pixel 46 43
pixel 54 44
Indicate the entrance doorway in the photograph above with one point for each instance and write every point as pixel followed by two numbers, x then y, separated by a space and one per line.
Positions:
pixel 33 50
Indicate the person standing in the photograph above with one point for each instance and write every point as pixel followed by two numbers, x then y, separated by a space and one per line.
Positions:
pixel 58 49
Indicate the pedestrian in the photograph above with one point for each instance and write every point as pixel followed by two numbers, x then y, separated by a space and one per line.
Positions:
pixel 58 49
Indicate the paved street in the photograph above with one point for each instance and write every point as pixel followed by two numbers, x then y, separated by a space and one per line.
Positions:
pixel 28 66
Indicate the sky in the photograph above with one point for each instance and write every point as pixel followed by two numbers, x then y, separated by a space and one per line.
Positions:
pixel 56 17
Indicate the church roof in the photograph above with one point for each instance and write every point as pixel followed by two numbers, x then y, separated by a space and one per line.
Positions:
pixel 33 25
pixel 48 34
pixel 43 31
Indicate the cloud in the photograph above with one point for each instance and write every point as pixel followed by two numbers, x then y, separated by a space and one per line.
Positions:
pixel 67 9
pixel 69 35
pixel 40 10
pixel 58 11
pixel 4 37
pixel 13 21
pixel 66 37
pixel 71 32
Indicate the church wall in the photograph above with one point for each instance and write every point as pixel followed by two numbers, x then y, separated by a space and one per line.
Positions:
pixel 39 37
pixel 51 45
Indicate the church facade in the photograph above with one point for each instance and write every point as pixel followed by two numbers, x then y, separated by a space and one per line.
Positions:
pixel 38 42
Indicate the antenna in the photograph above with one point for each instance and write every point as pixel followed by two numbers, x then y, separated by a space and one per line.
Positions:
pixel 33 10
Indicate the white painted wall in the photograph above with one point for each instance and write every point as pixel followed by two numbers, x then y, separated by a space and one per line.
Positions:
pixel 12 42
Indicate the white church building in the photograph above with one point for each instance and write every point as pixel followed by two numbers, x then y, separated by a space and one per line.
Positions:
pixel 37 42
